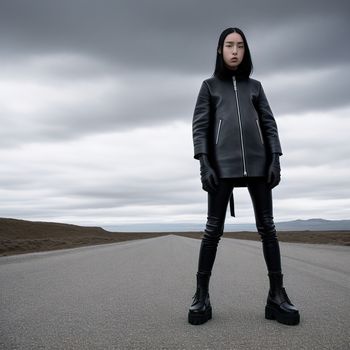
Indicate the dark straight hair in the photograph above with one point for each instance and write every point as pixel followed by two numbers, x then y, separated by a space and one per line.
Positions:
pixel 245 68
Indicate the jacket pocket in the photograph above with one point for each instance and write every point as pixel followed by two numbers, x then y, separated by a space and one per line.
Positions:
pixel 218 132
pixel 260 133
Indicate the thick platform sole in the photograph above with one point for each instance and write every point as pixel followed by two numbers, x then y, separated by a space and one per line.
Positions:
pixel 272 313
pixel 200 318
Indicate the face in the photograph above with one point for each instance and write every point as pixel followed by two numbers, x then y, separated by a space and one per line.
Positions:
pixel 233 50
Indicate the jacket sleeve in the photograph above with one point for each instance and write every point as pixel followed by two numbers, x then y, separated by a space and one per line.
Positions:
pixel 268 122
pixel 200 122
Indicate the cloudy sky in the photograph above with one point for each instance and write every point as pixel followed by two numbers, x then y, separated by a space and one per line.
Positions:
pixel 97 100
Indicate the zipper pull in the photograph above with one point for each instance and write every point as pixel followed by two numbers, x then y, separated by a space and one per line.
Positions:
pixel 234 83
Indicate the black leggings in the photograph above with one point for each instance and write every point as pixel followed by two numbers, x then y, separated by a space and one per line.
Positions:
pixel 261 197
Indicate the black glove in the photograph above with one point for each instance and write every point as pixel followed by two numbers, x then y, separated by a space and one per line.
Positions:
pixel 274 172
pixel 209 179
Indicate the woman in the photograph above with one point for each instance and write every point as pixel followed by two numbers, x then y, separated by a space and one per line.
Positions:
pixel 236 140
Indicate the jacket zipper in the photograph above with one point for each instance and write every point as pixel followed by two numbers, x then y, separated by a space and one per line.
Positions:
pixel 217 135
pixel 240 127
pixel 261 137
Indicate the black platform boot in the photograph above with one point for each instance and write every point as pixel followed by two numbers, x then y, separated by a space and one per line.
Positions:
pixel 200 311
pixel 279 306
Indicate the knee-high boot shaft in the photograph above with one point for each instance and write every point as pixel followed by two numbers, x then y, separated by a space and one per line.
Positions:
pixel 271 250
pixel 212 235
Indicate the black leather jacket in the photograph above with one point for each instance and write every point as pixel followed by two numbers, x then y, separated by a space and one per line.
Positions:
pixel 234 125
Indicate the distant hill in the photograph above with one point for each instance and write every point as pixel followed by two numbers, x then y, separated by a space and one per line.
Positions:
pixel 24 236
pixel 314 225
pixel 295 225
pixel 45 229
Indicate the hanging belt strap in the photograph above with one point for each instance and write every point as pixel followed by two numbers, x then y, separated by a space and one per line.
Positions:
pixel 232 205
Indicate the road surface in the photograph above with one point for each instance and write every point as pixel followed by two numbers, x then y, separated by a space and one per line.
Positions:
pixel 136 294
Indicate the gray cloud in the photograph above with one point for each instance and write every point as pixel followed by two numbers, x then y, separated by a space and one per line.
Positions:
pixel 181 35
pixel 97 103
pixel 103 98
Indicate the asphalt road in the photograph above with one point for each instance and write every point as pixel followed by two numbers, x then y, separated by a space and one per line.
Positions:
pixel 136 294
